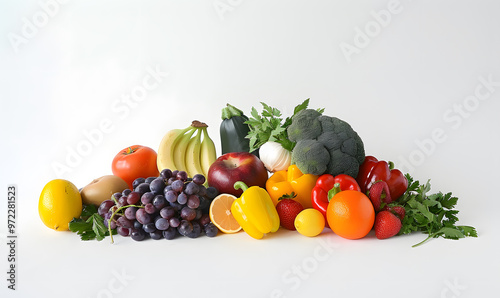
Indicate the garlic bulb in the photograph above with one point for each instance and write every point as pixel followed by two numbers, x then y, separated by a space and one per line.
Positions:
pixel 274 156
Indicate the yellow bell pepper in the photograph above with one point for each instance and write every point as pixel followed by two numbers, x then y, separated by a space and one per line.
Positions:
pixel 292 180
pixel 254 211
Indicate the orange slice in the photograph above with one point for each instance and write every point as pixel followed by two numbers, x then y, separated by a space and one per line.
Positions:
pixel 221 216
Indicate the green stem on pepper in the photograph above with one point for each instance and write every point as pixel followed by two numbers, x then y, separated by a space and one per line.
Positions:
pixel 335 190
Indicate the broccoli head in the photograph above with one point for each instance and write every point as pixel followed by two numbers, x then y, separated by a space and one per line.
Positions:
pixel 310 156
pixel 344 148
pixel 305 125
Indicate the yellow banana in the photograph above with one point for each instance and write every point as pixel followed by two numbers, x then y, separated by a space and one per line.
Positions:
pixel 165 156
pixel 207 152
pixel 192 161
pixel 179 150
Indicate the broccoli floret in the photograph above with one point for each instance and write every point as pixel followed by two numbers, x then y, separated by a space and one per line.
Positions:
pixel 342 163
pixel 310 156
pixel 305 125
pixel 344 146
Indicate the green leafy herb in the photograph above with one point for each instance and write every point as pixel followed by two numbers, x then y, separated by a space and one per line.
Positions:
pixel 90 225
pixel 432 214
pixel 269 126
pixel 88 211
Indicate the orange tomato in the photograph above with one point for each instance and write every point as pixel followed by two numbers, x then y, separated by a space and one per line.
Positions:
pixel 350 214
pixel 134 162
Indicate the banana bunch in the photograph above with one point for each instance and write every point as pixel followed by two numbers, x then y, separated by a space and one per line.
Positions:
pixel 189 149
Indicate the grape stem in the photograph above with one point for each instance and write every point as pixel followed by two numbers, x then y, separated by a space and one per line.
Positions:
pixel 113 215
pixel 114 199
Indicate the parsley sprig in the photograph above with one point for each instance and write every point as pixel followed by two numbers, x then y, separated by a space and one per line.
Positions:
pixel 432 214
pixel 269 126
pixel 90 225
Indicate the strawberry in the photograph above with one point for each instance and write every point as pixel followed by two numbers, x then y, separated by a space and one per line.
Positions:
pixel 379 194
pixel 399 211
pixel 386 225
pixel 287 211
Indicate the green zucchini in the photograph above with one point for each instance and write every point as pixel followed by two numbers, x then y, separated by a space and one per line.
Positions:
pixel 233 131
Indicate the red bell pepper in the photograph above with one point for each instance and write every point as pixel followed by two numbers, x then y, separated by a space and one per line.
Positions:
pixel 373 170
pixel 327 186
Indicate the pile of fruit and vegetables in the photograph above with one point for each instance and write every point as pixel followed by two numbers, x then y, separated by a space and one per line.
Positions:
pixel 307 172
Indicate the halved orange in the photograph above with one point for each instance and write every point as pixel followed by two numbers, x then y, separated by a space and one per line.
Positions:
pixel 221 216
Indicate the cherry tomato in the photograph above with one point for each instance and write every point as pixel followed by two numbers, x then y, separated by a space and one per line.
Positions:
pixel 134 162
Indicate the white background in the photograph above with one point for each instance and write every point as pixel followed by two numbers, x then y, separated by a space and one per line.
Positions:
pixel 65 68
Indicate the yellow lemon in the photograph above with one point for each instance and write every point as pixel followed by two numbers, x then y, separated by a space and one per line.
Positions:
pixel 59 202
pixel 310 222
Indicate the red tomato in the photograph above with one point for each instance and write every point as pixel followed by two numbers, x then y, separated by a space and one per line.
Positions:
pixel 134 162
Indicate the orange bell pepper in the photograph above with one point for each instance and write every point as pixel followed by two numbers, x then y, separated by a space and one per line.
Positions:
pixel 291 181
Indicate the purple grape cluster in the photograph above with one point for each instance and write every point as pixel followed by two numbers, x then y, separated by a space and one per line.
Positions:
pixel 162 207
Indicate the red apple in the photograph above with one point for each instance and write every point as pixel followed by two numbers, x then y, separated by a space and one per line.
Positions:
pixel 236 166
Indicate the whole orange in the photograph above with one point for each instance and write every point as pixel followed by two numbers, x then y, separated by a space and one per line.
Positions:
pixel 350 214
